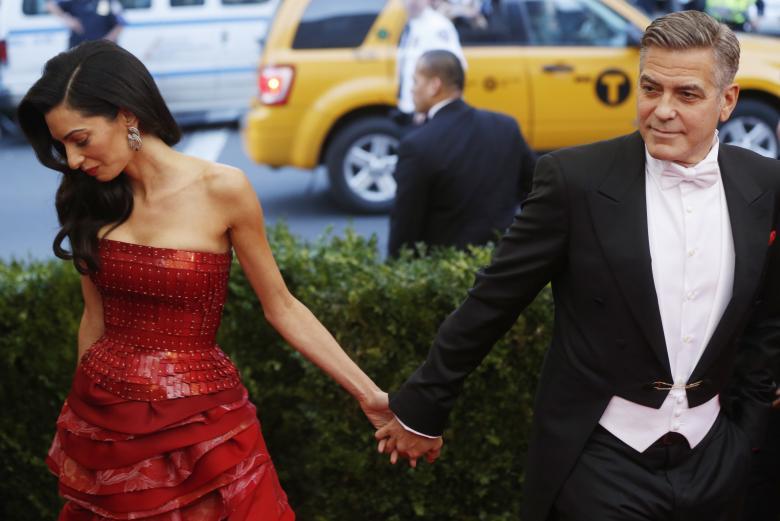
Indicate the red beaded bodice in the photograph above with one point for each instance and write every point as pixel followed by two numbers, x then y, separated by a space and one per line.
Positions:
pixel 161 309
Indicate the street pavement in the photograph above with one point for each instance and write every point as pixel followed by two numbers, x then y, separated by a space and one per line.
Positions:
pixel 28 221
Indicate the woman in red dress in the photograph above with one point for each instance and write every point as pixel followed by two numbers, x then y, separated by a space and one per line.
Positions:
pixel 157 425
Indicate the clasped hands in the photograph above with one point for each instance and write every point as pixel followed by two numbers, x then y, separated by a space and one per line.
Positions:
pixel 393 438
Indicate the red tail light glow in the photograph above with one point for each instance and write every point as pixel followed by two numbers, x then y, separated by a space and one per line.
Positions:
pixel 275 84
pixel 3 53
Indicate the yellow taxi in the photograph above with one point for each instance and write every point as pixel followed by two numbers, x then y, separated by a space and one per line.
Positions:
pixel 565 69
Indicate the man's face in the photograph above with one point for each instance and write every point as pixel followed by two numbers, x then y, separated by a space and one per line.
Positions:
pixel 415 7
pixel 424 89
pixel 679 103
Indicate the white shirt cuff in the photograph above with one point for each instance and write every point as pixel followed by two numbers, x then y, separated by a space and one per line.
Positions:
pixel 414 431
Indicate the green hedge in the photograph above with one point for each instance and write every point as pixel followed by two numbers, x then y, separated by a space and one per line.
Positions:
pixel 383 313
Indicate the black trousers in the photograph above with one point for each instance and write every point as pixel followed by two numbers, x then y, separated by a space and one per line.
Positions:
pixel 668 482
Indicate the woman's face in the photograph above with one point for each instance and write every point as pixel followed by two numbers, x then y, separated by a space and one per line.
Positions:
pixel 93 144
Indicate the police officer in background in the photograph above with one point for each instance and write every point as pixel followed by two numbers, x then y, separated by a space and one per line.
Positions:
pixel 426 30
pixel 89 19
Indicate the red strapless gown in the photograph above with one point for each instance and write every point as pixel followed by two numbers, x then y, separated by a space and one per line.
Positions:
pixel 157 425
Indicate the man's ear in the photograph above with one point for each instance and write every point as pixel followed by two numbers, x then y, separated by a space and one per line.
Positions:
pixel 730 97
pixel 437 85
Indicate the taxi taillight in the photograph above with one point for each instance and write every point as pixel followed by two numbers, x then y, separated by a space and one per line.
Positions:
pixel 275 84
pixel 3 53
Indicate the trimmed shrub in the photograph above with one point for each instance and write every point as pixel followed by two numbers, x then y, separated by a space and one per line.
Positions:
pixel 384 314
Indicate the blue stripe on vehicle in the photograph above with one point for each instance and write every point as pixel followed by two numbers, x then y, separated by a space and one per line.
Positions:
pixel 154 23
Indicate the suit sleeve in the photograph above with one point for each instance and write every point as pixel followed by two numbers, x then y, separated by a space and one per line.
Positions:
pixel 526 259
pixel 754 383
pixel 411 199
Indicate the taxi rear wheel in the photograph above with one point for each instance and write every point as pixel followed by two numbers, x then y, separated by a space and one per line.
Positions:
pixel 753 125
pixel 361 160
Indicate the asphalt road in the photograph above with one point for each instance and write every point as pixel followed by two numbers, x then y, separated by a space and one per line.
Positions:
pixel 28 221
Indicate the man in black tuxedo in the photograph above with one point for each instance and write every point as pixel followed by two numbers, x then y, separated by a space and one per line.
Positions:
pixel 660 247
pixel 460 175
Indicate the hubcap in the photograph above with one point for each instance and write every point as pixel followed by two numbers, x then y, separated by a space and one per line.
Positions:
pixel 369 166
pixel 751 133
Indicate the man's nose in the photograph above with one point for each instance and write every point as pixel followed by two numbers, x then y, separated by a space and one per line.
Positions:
pixel 665 108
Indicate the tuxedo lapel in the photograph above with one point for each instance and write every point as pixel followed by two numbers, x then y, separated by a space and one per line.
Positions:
pixel 750 212
pixel 619 211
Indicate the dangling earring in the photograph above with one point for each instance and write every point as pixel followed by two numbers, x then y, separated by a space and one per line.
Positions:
pixel 134 139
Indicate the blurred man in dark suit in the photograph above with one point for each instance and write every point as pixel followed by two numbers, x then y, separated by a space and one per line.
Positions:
pixel 461 174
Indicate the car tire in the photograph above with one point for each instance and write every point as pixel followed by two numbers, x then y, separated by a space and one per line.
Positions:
pixel 753 125
pixel 361 161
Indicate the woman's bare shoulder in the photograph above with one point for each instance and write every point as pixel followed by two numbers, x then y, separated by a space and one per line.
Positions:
pixel 226 183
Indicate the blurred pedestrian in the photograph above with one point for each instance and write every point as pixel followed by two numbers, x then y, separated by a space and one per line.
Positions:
pixel 734 13
pixel 157 424
pixel 425 30
pixel 461 174
pixel 89 19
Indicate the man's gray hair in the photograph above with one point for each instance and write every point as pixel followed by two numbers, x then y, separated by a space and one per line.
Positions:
pixel 695 30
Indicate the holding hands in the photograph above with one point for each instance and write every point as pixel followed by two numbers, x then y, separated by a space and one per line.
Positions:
pixel 397 441
pixel 393 438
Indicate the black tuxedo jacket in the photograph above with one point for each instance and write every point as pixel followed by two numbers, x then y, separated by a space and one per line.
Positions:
pixel 460 177
pixel 584 228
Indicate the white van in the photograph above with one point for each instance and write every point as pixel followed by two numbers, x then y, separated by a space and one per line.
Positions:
pixel 203 54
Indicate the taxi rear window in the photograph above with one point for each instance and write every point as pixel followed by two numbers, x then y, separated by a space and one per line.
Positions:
pixel 331 25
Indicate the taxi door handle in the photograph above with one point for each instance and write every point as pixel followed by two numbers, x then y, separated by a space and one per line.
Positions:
pixel 366 55
pixel 557 67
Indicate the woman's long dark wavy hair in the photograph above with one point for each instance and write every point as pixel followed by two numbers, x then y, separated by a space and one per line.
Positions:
pixel 97 79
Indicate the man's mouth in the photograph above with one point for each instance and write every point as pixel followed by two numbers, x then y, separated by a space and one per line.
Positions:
pixel 663 132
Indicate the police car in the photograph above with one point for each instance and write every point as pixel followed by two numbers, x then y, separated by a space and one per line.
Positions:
pixel 565 69
pixel 202 53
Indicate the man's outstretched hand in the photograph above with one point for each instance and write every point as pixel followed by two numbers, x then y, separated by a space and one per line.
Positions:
pixel 397 441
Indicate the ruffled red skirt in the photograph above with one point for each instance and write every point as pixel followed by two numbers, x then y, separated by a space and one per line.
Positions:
pixel 200 458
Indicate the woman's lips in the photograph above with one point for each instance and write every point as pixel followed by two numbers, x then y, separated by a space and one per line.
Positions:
pixel 91 171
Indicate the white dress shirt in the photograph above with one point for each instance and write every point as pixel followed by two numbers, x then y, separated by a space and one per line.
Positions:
pixel 692 252
pixel 426 32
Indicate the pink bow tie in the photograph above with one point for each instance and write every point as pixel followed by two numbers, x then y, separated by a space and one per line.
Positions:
pixel 703 175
